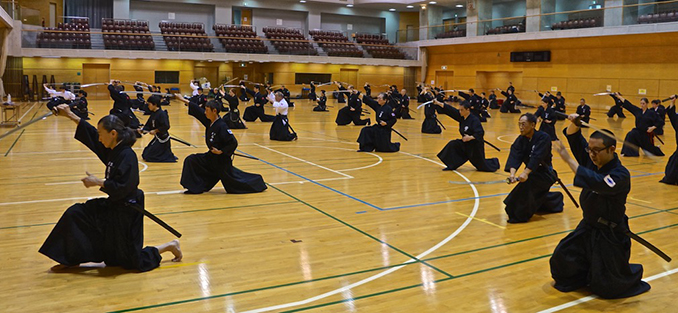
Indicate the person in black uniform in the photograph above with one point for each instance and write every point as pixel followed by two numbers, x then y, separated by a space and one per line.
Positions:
pixel 584 110
pixel 353 111
pixel 312 95
pixel 243 92
pixel 430 124
pixel 79 106
pixel 202 171
pixel 474 100
pixel 122 105
pixel 341 97
pixel 403 110
pixel 559 105
pixel 596 254
pixel 671 170
pixel 511 102
pixel 378 136
pixel 158 124
pixel 232 118
pixel 322 103
pixel 642 136
pixel 109 229
pixel 617 108
pixel 484 105
pixel 493 101
pixel 471 146
pixel 256 111
pixel 661 115
pixel 547 115
pixel 368 90
pixel 533 148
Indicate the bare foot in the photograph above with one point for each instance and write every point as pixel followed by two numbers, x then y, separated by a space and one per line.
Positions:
pixel 172 246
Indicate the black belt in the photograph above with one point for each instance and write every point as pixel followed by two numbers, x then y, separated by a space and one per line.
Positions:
pixel 627 232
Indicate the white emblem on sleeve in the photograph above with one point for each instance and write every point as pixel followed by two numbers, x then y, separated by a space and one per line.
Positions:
pixel 230 132
pixel 609 181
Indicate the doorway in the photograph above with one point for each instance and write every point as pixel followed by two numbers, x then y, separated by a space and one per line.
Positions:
pixel 96 73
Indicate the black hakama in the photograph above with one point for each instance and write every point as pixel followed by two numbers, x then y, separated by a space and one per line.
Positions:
pixel 311 94
pixel 671 170
pixel 160 148
pixel 203 171
pixel 256 111
pixel 594 254
pixel 638 137
pixel 122 108
pixel 430 124
pixel 322 105
pixel 510 105
pixel 585 112
pixel 457 152
pixel 79 108
pixel 232 117
pixel 345 115
pixel 533 195
pixel 377 137
pixel 280 129
pixel 548 121
pixel 105 230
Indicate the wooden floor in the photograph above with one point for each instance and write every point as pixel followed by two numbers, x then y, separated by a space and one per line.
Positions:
pixel 337 231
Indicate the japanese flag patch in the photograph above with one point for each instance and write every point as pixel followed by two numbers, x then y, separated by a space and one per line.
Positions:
pixel 609 181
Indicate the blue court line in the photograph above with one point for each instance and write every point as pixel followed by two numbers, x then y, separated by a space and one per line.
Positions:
pixel 317 183
pixel 442 202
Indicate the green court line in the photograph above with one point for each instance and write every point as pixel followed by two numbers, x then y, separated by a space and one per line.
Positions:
pixel 359 230
pixel 168 213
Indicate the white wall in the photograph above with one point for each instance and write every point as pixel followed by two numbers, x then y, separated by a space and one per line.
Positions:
pixel 361 24
pixel 155 12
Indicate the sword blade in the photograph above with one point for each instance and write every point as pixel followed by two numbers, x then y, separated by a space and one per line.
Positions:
pixel 24 125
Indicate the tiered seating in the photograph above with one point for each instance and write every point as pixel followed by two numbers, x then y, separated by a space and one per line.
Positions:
pixel 185 37
pixel 73 35
pixel 249 43
pixel 335 44
pixel 277 35
pixel 671 16
pixel 578 23
pixel 452 34
pixel 126 35
pixel 383 50
pixel 507 29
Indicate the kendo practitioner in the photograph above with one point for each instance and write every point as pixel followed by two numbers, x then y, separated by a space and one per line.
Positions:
pixel 79 106
pixel 474 100
pixel 108 230
pixel 122 105
pixel 584 110
pixel 533 148
pixel 322 103
pixel 286 95
pixel 58 97
pixel 202 171
pixel 643 134
pixel 511 88
pixel 243 92
pixel 430 124
pixel 378 136
pixel 256 111
pixel 546 113
pixel 671 171
pixel 352 111
pixel 559 105
pixel 195 85
pixel 661 114
pixel 166 99
pixel 140 103
pixel 340 95
pixel 403 110
pixel 596 254
pixel 493 101
pixel 616 109
pixel 158 124
pixel 511 102
pixel 232 118
pixel 311 94
pixel 484 105
pixel 420 93
pixel 368 90
pixel 471 146
pixel 280 129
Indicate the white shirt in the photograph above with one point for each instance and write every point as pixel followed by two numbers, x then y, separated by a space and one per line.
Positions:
pixel 67 95
pixel 195 89
pixel 280 107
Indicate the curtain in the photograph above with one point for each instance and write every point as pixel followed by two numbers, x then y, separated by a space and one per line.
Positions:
pixel 94 9
pixel 4 39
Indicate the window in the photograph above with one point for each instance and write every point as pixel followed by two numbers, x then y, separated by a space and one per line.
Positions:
pixel 166 77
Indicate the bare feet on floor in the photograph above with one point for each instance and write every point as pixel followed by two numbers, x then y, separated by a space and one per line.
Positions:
pixel 172 246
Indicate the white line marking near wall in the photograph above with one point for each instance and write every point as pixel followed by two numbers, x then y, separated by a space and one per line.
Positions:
pixel 393 269
pixel 302 160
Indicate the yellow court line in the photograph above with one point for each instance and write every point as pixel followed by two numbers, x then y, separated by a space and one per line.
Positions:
pixel 482 220
pixel 179 264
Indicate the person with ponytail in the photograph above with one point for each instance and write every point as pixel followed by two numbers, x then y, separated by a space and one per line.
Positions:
pixel 202 171
pixel 108 230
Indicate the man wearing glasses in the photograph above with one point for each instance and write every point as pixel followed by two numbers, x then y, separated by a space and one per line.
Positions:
pixel 596 254
pixel 532 193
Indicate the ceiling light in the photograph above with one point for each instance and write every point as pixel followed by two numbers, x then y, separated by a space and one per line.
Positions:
pixel 432 2
pixel 392 10
pixel 302 1
pixel 410 6
pixel 460 5
pixel 349 5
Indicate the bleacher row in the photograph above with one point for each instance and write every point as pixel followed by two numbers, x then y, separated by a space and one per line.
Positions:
pixel 452 34
pixel 507 29
pixel 663 17
pixel 577 23
pixel 121 34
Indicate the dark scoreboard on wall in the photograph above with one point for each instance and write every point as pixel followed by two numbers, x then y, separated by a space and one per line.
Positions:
pixel 531 56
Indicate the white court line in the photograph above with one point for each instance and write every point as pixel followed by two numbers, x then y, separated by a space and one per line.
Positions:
pixel 302 160
pixel 345 149
pixel 69 159
pixel 589 298
pixel 393 269
pixel 63 183
pixel 306 181
pixel 22 117
pixel 502 136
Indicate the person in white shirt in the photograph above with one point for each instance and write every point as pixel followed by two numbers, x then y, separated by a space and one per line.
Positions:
pixel 58 97
pixel 195 85
pixel 280 129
